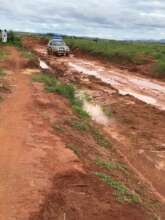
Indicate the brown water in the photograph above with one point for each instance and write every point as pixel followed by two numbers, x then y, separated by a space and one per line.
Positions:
pixel 149 91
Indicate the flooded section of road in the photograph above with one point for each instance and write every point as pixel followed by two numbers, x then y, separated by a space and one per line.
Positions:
pixel 147 84
pixel 147 90
pixel 43 65
pixel 144 98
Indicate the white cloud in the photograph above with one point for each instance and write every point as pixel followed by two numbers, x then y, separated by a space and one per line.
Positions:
pixel 119 19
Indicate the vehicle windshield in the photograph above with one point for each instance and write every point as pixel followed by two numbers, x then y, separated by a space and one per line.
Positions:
pixel 58 43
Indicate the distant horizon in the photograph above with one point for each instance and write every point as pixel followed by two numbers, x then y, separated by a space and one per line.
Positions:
pixel 81 36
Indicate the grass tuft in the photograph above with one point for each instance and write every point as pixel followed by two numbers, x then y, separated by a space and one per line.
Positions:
pixel 2 73
pixel 28 55
pixel 3 54
pixel 67 90
pixel 80 125
pixel 123 194
pixel 99 138
pixel 111 166
pixel 74 148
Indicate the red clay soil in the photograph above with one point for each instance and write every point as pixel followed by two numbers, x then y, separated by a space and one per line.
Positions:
pixel 25 143
pixel 81 195
pixel 40 178
pixel 137 127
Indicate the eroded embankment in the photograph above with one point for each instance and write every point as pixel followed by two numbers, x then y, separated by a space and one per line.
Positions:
pixel 133 124
pixel 49 159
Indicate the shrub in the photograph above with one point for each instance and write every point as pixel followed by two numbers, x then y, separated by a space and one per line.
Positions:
pixel 14 39
pixel 158 69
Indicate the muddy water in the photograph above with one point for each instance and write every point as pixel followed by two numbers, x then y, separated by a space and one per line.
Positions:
pixel 149 91
pixel 96 113
pixel 94 110
pixel 43 65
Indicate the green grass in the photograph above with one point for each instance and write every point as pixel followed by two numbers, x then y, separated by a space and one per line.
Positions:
pixel 48 80
pixel 123 194
pixel 124 52
pixel 14 39
pixel 80 125
pixel 28 55
pixel 67 90
pixel 107 112
pixel 74 148
pixel 85 126
pixel 3 54
pixel 100 138
pixel 2 73
pixel 111 166
pixel 159 69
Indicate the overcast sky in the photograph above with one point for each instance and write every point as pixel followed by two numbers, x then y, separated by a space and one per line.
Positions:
pixel 117 19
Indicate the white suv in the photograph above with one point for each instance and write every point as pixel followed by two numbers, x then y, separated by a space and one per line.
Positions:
pixel 58 47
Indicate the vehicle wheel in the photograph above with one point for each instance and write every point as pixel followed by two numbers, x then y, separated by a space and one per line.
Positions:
pixel 49 52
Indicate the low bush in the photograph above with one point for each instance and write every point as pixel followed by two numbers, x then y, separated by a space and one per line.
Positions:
pixel 14 39
pixel 158 69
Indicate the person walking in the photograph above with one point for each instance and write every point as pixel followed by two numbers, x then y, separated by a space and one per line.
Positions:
pixel 4 36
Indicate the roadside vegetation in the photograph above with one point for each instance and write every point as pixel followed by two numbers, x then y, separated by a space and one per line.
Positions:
pixel 2 73
pixel 90 144
pixel 67 90
pixel 14 39
pixel 123 194
pixel 3 54
pixel 124 52
pixel 110 166
pixel 53 85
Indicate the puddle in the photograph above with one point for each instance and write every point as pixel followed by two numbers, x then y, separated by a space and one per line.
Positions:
pixel 144 98
pixel 97 74
pixel 148 85
pixel 96 113
pixel 149 92
pixel 83 69
pixel 43 65
pixel 94 110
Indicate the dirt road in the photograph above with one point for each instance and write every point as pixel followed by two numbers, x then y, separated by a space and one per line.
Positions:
pixel 17 176
pixel 25 141
pixel 148 90
pixel 48 164
pixel 136 124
